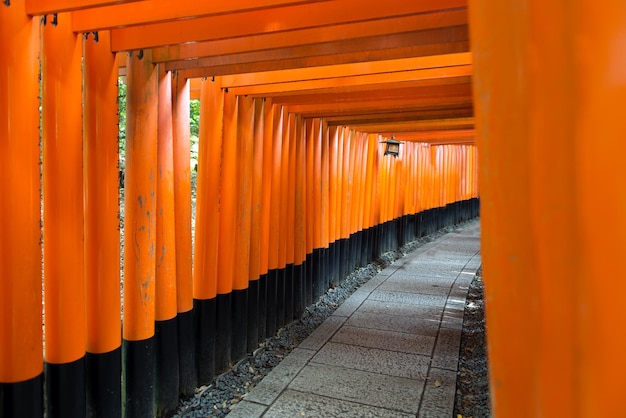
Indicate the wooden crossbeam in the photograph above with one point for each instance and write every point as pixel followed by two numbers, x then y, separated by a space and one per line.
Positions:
pixel 275 20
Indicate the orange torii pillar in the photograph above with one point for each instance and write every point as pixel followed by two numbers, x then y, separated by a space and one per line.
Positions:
pixel 550 122
pixel 227 237
pixel 256 228
pixel 299 146
pixel 64 274
pixel 207 227
pixel 242 186
pixel 21 349
pixel 324 206
pixel 102 236
pixel 273 130
pixel 265 234
pixel 187 372
pixel 284 226
pixel 316 206
pixel 166 326
pixel 344 218
pixel 310 212
pixel 291 287
pixel 140 233
pixel 333 266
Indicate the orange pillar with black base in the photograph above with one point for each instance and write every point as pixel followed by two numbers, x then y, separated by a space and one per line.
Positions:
pixel 102 235
pixel 256 221
pixel 310 212
pixel 227 237
pixel 21 350
pixel 140 219
pixel 206 242
pixel 242 222
pixel 299 146
pixel 187 373
pixel 266 234
pixel 325 206
pixel 274 129
pixel 64 274
pixel 292 287
pixel 166 326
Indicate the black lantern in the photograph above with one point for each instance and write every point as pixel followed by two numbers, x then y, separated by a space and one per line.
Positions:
pixel 392 146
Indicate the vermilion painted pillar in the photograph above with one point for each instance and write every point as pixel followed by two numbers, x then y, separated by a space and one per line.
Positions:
pixel 140 203
pixel 243 185
pixel 256 220
pixel 299 273
pixel 64 274
pixel 102 235
pixel 284 226
pixel 550 129
pixel 21 350
pixel 188 375
pixel 227 234
pixel 266 234
pixel 207 227
pixel 274 129
pixel 166 327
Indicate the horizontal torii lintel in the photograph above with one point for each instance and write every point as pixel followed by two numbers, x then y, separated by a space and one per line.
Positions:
pixel 43 7
pixel 273 20
pixel 309 36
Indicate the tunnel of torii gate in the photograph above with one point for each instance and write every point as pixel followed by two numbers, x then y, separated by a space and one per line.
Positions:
pixel 294 188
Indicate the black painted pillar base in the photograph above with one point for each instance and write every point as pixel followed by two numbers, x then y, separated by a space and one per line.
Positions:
pixel 22 399
pixel 324 269
pixel 298 291
pixel 252 338
pixel 308 279
pixel 224 332
pixel 239 323
pixel 289 291
pixel 280 298
pixel 262 311
pixel 187 371
pixel 65 394
pixel 205 326
pixel 270 326
pixel 104 387
pixel 317 274
pixel 166 366
pixel 138 378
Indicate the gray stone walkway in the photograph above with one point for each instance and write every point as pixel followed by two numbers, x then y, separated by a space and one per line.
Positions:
pixel 390 350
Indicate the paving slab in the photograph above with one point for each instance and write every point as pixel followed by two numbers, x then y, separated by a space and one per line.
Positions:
pixel 438 399
pixel 302 404
pixel 391 363
pixel 374 389
pixel 385 340
pixel 390 350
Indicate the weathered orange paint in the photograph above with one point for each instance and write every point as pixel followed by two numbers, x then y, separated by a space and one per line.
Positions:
pixel 165 273
pixel 21 350
pixel 300 218
pixel 560 235
pixel 182 193
pixel 291 195
pixel 101 196
pixel 268 160
pixel 243 188
pixel 276 132
pixel 206 240
pixel 140 198
pixel 256 215
pixel 227 198
pixel 64 274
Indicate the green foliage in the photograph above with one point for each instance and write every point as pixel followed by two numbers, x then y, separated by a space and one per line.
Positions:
pixel 121 112
pixel 194 124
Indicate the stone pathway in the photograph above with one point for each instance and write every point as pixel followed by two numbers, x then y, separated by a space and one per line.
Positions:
pixel 391 349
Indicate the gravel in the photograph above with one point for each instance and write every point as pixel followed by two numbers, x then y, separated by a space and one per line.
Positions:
pixel 472 383
pixel 228 389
